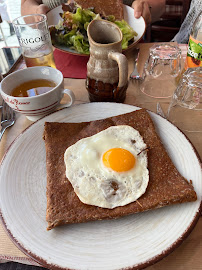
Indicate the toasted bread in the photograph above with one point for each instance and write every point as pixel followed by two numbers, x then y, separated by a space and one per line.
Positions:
pixel 104 7
pixel 166 185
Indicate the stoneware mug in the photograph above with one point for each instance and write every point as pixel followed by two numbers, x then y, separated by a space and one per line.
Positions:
pixel 35 107
pixel 107 68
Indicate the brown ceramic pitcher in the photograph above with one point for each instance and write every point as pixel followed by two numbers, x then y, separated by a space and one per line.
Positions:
pixel 107 68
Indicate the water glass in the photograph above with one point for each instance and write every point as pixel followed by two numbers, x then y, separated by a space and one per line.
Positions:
pixel 34 38
pixel 185 109
pixel 161 71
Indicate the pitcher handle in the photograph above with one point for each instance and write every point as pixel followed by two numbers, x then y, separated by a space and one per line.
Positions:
pixel 123 67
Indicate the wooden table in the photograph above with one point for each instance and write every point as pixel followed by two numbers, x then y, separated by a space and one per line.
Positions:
pixel 189 254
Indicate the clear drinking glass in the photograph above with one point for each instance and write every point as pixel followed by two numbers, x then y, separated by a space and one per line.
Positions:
pixel 34 38
pixel 161 71
pixel 185 109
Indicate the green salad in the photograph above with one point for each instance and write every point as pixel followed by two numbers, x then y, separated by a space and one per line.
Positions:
pixel 71 30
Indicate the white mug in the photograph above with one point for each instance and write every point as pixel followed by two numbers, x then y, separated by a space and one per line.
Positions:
pixel 36 107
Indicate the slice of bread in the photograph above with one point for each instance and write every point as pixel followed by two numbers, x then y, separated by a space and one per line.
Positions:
pixel 104 7
pixel 166 185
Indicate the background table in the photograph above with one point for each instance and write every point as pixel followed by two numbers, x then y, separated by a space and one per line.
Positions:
pixel 189 254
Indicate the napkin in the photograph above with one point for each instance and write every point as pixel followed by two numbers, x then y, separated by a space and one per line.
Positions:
pixel 71 66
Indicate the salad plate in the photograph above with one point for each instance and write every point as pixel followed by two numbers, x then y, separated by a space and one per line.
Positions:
pixel 132 242
pixel 138 26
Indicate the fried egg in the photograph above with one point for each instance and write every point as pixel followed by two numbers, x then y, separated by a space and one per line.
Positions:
pixel 108 169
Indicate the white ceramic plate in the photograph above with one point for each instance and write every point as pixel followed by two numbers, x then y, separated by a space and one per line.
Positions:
pixel 137 24
pixel 133 241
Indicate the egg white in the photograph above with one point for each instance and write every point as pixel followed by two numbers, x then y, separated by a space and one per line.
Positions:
pixel 93 182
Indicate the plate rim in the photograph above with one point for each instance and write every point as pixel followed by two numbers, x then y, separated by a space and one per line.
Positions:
pixel 142 265
pixel 130 47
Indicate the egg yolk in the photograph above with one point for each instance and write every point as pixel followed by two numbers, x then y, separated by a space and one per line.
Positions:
pixel 118 159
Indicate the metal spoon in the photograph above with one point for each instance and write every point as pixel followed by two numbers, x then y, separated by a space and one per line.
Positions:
pixel 135 74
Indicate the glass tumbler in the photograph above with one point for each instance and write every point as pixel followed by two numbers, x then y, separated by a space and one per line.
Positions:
pixel 34 38
pixel 185 109
pixel 161 71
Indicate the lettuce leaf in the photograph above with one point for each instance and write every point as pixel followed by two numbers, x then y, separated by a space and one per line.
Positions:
pixel 80 44
pixel 127 31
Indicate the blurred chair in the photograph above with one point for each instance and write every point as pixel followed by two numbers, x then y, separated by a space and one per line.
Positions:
pixel 169 24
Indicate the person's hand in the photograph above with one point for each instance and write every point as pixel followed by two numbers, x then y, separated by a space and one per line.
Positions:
pixel 42 9
pixel 141 8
